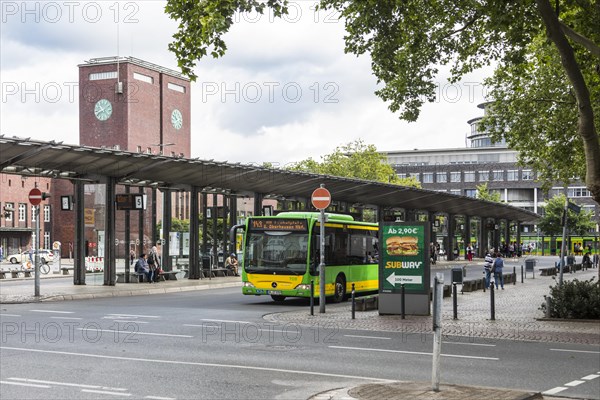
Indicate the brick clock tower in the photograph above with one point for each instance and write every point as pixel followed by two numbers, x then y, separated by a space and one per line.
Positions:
pixel 133 105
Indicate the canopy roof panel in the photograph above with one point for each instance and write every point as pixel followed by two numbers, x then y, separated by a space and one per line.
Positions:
pixel 58 160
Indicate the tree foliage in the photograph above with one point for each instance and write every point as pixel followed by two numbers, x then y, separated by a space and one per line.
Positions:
pixel 483 193
pixel 355 160
pixel 551 223
pixel 409 40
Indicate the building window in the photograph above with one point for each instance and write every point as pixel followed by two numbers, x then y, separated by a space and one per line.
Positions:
pixel 512 175
pixel 401 176
pixel 441 177
pixel 46 244
pixel 415 175
pixel 143 78
pixel 103 75
pixel 579 192
pixel 484 176
pixel 527 175
pixel 455 191
pixel 469 176
pixel 139 149
pixel 9 210
pixel 455 176
pixel 427 177
pixel 46 213
pixel 33 213
pixel 498 175
pixel 22 212
pixel 177 88
pixel 471 193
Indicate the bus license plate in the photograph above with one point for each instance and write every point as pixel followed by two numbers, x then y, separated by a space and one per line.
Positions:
pixel 274 292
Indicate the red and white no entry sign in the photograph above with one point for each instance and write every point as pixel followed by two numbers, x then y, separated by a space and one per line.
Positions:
pixel 35 196
pixel 321 198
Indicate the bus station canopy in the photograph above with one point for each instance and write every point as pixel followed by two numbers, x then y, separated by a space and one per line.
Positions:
pixel 94 164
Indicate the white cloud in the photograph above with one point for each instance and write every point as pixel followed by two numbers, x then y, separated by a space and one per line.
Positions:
pixel 285 90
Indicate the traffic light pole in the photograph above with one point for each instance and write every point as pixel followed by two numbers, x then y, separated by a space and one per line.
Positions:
pixel 322 264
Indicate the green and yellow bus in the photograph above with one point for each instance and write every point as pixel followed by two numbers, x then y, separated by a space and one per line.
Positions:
pixel 281 255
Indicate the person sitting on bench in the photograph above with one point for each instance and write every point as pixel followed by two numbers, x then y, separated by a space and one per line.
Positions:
pixel 232 263
pixel 141 267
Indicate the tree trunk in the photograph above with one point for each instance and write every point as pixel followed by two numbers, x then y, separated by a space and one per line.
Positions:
pixel 586 128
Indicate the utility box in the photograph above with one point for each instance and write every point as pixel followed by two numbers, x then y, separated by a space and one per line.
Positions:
pixel 457 275
pixel 530 265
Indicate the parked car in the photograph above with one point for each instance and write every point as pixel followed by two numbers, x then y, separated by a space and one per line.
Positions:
pixel 46 256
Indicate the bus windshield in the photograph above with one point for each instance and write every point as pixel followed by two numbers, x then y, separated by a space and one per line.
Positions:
pixel 279 252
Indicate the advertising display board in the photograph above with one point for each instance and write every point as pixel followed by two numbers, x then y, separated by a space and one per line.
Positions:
pixel 404 260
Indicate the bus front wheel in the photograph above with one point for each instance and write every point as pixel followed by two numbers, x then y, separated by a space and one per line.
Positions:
pixel 340 289
pixel 277 297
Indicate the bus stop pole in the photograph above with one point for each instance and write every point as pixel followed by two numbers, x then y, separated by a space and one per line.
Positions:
pixel 322 264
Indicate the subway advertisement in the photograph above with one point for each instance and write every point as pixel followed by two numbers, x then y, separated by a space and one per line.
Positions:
pixel 404 257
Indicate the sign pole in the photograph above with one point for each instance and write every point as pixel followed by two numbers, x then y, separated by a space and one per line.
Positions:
pixel 322 264
pixel 321 198
pixel 36 251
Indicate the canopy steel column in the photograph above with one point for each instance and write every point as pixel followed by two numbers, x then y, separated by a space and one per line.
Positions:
pixel 153 219
pixel 507 232
pixel 110 262
pixel 194 265
pixel 468 231
pixel 451 237
pixel 204 225
pixel 432 230
pixel 127 239
pixel 166 225
pixel 215 242
pixel 518 228
pixel 225 225
pixel 258 200
pixel 79 247
pixel 232 220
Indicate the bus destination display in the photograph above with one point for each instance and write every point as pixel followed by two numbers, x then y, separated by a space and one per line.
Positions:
pixel 296 225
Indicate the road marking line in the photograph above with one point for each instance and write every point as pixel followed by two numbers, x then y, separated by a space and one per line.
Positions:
pixel 413 352
pixel 80 385
pixel 555 390
pixel 125 332
pixel 125 321
pixel 134 315
pixel 103 392
pixel 590 377
pixel 24 384
pixel 471 344
pixel 53 311
pixel 66 318
pixel 368 337
pixel 577 351
pixel 574 383
pixel 159 398
pixel 225 320
pixel 200 364
pixel 9 315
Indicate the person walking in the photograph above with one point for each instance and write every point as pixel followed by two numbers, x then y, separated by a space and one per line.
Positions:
pixel 154 263
pixel 497 270
pixel 469 252
pixel 487 268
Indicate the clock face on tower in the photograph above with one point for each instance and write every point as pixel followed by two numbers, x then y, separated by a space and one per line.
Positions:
pixel 176 119
pixel 103 109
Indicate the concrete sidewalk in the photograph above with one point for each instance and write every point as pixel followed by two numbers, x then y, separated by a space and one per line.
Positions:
pixel 517 317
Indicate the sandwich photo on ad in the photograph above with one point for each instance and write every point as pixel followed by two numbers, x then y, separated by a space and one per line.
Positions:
pixel 402 245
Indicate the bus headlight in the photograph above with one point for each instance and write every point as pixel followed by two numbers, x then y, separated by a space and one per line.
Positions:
pixel 248 285
pixel 302 287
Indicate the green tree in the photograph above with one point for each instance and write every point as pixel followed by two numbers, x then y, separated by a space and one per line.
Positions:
pixel 551 222
pixel 355 160
pixel 408 41
pixel 483 193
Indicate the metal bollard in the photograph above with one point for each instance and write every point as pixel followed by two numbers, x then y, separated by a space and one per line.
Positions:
pixel 312 297
pixel 402 298
pixel 483 282
pixel 548 306
pixel 514 275
pixel 521 273
pixel 454 301
pixel 353 303
pixel 492 303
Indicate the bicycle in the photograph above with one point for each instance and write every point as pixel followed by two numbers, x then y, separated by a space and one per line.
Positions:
pixel 28 266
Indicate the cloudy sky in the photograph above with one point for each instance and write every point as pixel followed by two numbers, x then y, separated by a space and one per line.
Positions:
pixel 285 90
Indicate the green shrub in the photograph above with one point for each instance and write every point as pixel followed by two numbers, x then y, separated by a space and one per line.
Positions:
pixel 575 300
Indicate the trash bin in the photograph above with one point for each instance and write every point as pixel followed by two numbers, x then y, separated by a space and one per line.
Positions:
pixel 457 275
pixel 205 262
pixel 530 264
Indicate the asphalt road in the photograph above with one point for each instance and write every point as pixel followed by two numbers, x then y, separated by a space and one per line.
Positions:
pixel 215 344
